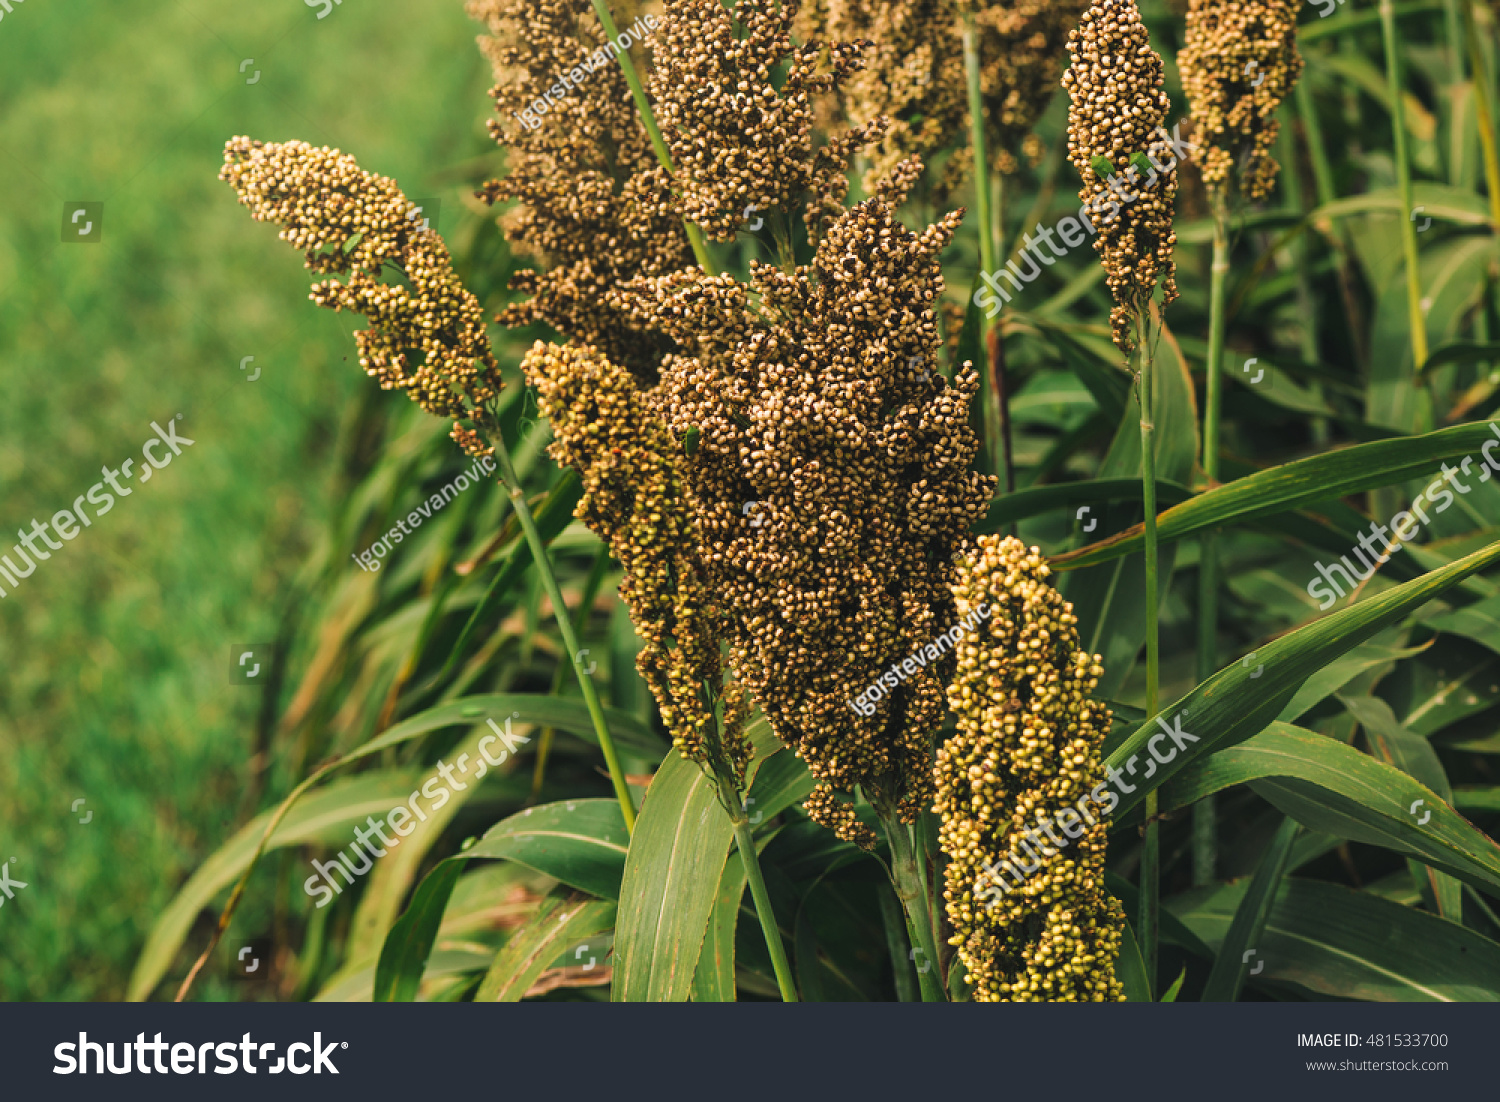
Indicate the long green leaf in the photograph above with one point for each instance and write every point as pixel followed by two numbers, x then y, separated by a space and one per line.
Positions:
pixel 673 873
pixel 1237 702
pixel 1293 485
pixel 1339 943
pixel 562 919
pixel 1334 789
pixel 328 815
pixel 403 957
pixel 1231 965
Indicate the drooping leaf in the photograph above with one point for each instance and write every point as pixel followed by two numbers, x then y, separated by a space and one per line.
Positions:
pixel 1334 789
pixel 1335 942
pixel 579 842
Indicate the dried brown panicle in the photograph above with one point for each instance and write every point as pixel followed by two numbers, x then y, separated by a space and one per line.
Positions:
pixel 832 483
pixel 635 501
pixel 1028 748
pixel 1117 111
pixel 353 223
pixel 593 205
pixel 1238 62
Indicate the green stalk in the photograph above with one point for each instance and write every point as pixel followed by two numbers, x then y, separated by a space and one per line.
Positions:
pixel 994 427
pixel 590 594
pixel 729 796
pixel 908 884
pixel 1204 842
pixel 1337 234
pixel 1151 854
pixel 648 120
pixel 1484 118
pixel 564 623
pixel 1417 319
pixel 895 922
pixel 1291 182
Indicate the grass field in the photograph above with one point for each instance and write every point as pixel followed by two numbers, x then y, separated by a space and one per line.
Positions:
pixel 116 652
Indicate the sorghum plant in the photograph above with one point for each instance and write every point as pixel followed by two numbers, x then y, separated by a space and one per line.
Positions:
pixel 1238 63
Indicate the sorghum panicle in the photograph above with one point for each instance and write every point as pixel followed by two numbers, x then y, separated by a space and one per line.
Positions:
pixel 915 74
pixel 592 204
pixel 1027 747
pixel 1118 109
pixel 353 223
pixel 737 141
pixel 832 484
pixel 1238 62
pixel 634 500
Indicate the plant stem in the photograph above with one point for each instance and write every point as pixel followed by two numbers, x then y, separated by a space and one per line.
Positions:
pixel 994 426
pixel 908 883
pixel 745 840
pixel 1483 116
pixel 895 923
pixel 1151 854
pixel 1417 319
pixel 1317 154
pixel 653 131
pixel 590 594
pixel 564 624
pixel 1204 842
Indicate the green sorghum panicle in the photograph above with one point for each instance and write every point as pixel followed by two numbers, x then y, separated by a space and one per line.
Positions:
pixel 1027 747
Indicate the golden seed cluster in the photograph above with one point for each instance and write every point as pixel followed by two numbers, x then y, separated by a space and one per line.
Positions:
pixel 1028 745
pixel 428 337
pixel 1117 111
pixel 634 500
pixel 832 484
pixel 737 140
pixel 591 203
pixel 1238 62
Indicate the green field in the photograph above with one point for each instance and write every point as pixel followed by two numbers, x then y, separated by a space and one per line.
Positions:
pixel 116 652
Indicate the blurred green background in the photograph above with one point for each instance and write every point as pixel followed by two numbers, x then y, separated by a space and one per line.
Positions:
pixel 115 654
